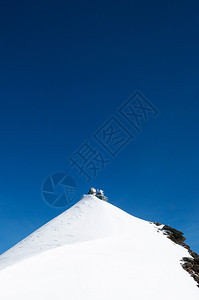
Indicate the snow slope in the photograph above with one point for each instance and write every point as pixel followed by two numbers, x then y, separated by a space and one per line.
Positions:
pixel 95 251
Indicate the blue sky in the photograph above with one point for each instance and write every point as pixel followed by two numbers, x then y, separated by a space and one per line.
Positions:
pixel 66 68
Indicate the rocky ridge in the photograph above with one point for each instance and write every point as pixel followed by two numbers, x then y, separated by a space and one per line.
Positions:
pixel 189 264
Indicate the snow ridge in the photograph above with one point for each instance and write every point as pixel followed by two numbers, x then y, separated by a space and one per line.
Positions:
pixel 94 250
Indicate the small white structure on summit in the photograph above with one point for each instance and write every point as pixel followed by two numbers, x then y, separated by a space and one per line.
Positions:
pixel 92 191
pixel 99 194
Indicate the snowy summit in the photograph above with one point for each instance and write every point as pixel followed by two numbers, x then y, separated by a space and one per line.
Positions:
pixel 95 251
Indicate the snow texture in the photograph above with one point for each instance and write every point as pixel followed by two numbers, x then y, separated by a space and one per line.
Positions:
pixel 94 250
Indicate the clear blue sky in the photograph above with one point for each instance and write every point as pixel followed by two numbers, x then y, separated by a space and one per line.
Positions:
pixel 66 67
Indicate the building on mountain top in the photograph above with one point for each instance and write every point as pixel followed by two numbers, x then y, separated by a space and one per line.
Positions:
pixel 92 191
pixel 99 194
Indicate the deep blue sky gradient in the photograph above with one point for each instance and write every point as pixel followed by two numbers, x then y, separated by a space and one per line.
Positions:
pixel 68 66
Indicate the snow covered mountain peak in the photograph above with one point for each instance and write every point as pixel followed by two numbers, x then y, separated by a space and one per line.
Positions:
pixel 88 219
pixel 95 250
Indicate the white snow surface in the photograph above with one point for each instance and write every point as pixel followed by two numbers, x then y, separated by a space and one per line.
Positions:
pixel 96 251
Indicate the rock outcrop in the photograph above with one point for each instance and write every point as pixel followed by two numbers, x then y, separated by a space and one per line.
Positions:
pixel 189 264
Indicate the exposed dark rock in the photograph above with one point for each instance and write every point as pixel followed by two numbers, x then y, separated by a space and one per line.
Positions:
pixel 157 224
pixel 192 267
pixel 190 264
pixel 188 259
pixel 175 235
